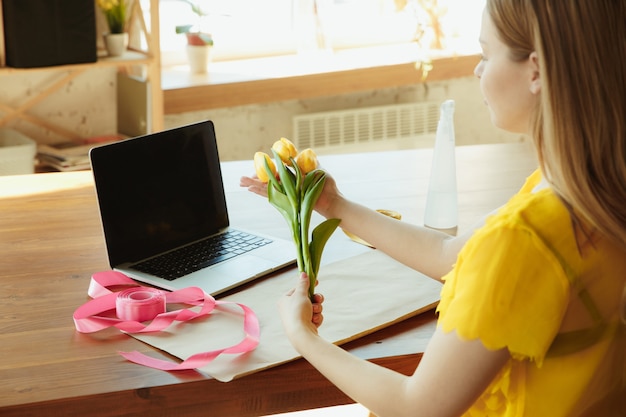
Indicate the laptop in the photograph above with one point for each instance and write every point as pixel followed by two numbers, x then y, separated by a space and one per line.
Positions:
pixel 164 214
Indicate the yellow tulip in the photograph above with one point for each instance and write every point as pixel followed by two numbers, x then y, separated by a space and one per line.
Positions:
pixel 307 161
pixel 295 196
pixel 285 149
pixel 259 166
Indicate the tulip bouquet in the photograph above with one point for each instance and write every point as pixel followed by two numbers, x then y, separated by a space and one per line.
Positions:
pixel 294 185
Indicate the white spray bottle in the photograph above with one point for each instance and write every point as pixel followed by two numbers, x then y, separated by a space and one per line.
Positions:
pixel 441 202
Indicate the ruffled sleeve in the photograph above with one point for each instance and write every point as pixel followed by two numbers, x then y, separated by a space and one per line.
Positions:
pixel 507 289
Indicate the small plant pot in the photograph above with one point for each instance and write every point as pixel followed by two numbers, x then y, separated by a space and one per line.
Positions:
pixel 116 43
pixel 198 57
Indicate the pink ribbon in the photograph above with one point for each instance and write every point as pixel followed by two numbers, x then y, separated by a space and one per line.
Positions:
pixel 128 308
pixel 140 304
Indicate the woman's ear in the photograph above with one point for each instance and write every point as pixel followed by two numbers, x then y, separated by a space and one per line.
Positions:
pixel 535 80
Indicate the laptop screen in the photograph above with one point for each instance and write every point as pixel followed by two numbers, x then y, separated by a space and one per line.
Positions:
pixel 159 191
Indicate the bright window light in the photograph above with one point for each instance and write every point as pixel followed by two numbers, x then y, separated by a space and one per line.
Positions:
pixel 251 28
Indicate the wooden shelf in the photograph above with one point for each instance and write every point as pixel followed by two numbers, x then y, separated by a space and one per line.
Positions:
pixel 148 59
pixel 216 94
pixel 129 58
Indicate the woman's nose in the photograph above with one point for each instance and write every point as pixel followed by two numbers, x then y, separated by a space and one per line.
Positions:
pixel 478 69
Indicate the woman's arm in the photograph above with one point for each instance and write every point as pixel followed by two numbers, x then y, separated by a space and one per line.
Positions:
pixel 451 375
pixel 426 250
pixel 429 251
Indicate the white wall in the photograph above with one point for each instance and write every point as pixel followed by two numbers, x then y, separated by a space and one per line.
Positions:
pixel 87 106
pixel 243 130
pixel 84 106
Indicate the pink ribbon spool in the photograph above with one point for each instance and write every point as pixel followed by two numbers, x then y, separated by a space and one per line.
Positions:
pixel 139 304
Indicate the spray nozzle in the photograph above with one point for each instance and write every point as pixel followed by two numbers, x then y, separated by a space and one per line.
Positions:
pixel 447 109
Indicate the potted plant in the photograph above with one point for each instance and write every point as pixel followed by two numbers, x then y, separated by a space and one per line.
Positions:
pixel 115 12
pixel 199 42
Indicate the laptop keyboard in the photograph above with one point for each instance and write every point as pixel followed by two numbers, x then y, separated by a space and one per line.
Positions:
pixel 188 259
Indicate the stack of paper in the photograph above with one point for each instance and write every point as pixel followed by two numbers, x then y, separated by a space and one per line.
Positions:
pixel 70 156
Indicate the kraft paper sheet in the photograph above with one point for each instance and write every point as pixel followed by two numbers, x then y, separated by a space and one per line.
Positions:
pixel 362 294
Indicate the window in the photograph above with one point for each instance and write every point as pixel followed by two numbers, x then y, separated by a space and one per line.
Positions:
pixel 253 28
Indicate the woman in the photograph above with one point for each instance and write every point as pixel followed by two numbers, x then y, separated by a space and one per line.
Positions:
pixel 531 320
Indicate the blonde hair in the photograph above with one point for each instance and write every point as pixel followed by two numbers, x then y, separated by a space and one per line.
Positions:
pixel 580 123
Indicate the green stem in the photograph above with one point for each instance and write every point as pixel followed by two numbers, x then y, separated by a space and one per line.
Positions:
pixel 296 240
pixel 306 254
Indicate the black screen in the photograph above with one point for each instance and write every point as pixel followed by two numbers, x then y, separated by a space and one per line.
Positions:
pixel 159 191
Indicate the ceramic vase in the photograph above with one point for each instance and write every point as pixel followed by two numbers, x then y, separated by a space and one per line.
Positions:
pixel 198 57
pixel 116 43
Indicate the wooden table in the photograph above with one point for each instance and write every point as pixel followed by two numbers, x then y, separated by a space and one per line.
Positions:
pixel 51 243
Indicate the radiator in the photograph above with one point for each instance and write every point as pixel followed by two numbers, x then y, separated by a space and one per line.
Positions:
pixel 398 126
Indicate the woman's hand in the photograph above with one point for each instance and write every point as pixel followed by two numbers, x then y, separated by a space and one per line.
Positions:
pixel 298 313
pixel 324 204
pixel 254 184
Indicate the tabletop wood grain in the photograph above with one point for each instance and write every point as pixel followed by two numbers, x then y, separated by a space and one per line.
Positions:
pixel 51 242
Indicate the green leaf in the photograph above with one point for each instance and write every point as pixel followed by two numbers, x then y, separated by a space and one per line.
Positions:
pixel 312 193
pixel 307 204
pixel 273 182
pixel 287 179
pixel 321 234
pixel 206 38
pixel 298 175
pixel 195 8
pixel 183 28
pixel 310 179
pixel 281 202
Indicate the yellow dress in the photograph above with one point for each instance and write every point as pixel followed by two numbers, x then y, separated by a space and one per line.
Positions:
pixel 532 282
